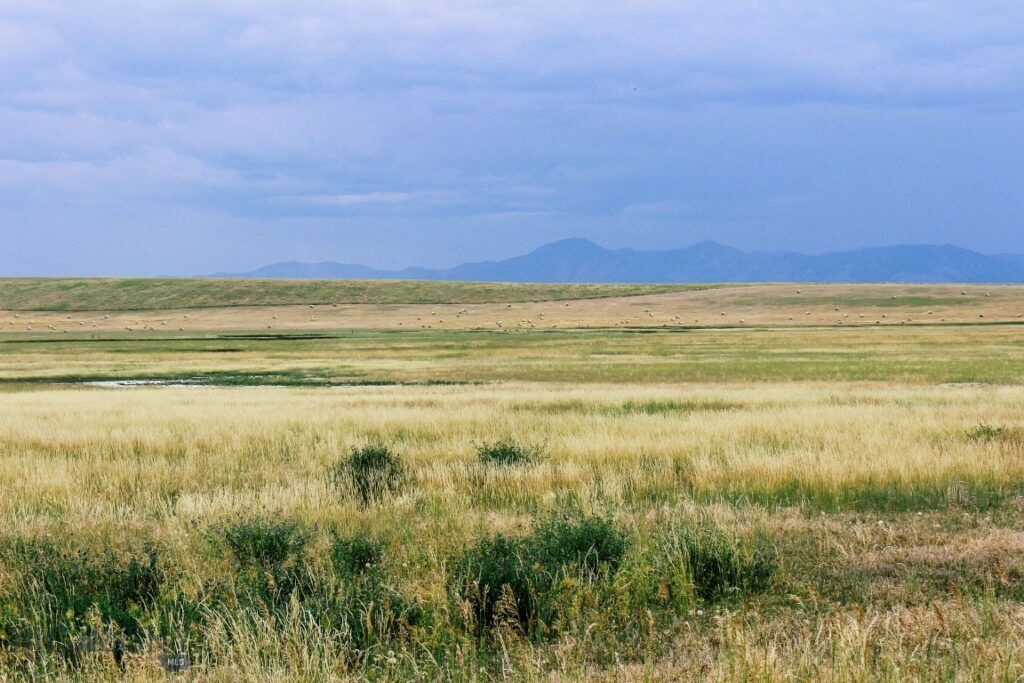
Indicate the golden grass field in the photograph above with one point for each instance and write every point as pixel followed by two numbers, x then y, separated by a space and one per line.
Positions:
pixel 874 472
pixel 732 306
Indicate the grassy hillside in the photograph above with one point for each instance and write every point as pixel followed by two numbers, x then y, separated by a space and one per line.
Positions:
pixel 108 294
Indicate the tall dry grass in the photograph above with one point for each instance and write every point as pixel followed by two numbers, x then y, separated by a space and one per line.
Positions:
pixel 895 518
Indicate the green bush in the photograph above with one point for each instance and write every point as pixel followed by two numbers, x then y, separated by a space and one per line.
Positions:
pixel 489 566
pixel 533 571
pixel 61 588
pixel 269 557
pixel 364 603
pixel 356 556
pixel 351 594
pixel 591 543
pixel 507 452
pixel 721 566
pixel 653 576
pixel 986 432
pixel 374 472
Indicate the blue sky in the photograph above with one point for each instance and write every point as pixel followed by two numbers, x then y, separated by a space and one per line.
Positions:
pixel 190 137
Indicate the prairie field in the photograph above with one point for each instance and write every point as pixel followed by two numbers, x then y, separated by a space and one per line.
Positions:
pixel 806 495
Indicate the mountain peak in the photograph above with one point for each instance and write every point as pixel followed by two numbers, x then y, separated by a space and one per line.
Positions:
pixel 570 245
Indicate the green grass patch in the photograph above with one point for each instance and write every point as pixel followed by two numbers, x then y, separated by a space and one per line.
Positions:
pixel 508 453
pixel 721 565
pixel 268 556
pixel 63 595
pixel 627 408
pixel 971 354
pixel 977 494
pixel 521 582
pixel 108 294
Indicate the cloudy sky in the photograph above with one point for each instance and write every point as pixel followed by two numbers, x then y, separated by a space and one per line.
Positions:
pixel 186 137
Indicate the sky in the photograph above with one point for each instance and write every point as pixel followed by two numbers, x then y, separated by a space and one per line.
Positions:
pixel 190 137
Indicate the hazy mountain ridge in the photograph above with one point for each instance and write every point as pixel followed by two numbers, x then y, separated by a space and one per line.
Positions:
pixel 580 260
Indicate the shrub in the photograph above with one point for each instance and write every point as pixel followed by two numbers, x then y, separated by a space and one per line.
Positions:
pixel 374 472
pixel 352 595
pixel 532 571
pixel 507 452
pixel 269 557
pixel 986 432
pixel 489 566
pixel 374 611
pixel 367 606
pixel 590 543
pixel 653 576
pixel 65 588
pixel 721 566
pixel 356 555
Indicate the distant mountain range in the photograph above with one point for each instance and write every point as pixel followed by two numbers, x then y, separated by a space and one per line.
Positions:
pixel 580 260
